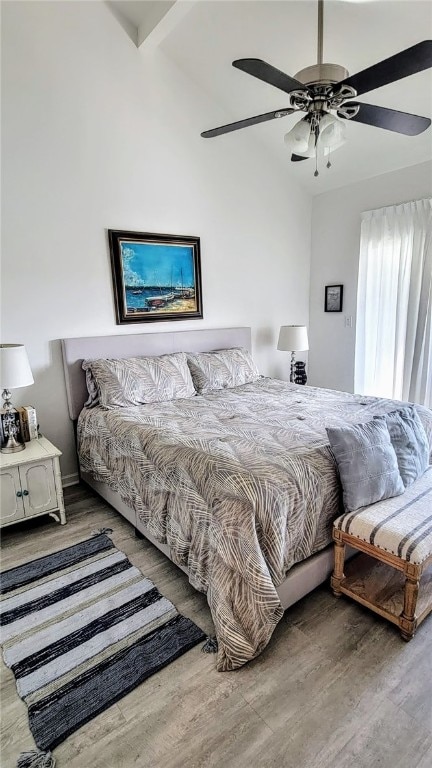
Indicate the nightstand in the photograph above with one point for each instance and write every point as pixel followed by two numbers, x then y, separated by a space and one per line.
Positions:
pixel 30 483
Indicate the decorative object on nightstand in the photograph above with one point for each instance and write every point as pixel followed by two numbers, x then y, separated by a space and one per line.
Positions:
pixel 15 372
pixel 30 484
pixel 300 376
pixel 293 338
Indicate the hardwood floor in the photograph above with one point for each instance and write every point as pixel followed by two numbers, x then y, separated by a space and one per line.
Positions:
pixel 336 687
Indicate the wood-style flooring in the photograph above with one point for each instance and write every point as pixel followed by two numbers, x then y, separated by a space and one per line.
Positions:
pixel 336 687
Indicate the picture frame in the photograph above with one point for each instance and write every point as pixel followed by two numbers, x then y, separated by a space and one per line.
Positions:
pixel 155 277
pixel 333 298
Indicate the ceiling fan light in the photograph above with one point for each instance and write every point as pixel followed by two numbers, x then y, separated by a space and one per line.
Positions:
pixel 311 149
pixel 297 139
pixel 326 121
pixel 332 132
pixel 289 141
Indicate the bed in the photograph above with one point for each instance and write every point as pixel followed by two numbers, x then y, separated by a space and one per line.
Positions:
pixel 238 487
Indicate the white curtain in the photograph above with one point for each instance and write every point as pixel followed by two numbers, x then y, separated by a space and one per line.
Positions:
pixel 394 303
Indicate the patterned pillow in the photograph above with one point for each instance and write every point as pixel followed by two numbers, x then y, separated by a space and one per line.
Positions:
pixel 367 463
pixel 409 439
pixel 140 380
pixel 92 389
pixel 222 369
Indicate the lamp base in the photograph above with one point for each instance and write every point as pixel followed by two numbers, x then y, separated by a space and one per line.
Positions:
pixel 10 426
pixel 300 375
pixel 6 395
pixel 292 374
pixel 12 445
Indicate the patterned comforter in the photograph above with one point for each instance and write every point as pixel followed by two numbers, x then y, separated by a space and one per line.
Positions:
pixel 240 484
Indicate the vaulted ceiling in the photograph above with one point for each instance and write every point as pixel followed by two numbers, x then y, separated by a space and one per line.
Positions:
pixel 203 37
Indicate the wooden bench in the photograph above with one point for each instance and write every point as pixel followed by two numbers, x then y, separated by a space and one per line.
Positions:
pixel 393 575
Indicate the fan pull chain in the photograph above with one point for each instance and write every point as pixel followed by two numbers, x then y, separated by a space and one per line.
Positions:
pixel 328 161
pixel 316 146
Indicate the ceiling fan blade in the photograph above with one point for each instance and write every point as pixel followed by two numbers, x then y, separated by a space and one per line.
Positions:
pixel 297 158
pixel 245 123
pixel 408 62
pixel 390 119
pixel 263 71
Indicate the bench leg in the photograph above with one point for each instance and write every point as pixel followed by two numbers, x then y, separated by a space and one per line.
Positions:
pixel 407 619
pixel 338 573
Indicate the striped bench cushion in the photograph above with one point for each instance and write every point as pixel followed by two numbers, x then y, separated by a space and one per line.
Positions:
pixel 401 525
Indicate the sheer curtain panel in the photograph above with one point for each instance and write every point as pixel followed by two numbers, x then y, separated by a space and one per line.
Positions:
pixel 394 303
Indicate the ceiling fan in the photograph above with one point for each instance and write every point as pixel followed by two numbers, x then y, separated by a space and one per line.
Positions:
pixel 322 88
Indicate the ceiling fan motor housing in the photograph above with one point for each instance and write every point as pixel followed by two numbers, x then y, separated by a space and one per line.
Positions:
pixel 322 74
pixel 324 89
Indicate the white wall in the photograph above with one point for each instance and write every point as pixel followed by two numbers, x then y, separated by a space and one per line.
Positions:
pixel 335 255
pixel 96 135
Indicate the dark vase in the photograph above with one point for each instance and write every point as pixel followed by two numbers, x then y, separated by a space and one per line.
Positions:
pixel 300 376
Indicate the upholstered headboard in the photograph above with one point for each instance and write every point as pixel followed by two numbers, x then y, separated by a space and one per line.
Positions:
pixel 130 345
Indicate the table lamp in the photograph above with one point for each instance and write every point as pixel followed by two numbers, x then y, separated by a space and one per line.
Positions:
pixel 15 372
pixel 293 338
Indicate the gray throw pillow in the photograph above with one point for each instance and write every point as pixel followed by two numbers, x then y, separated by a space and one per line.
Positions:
pixel 409 439
pixel 367 463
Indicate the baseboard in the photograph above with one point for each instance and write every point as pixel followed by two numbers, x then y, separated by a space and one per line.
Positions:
pixel 72 479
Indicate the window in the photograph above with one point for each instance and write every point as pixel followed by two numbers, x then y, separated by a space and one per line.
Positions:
pixel 394 303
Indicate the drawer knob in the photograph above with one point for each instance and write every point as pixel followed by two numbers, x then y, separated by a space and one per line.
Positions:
pixel 25 493
pixel 19 494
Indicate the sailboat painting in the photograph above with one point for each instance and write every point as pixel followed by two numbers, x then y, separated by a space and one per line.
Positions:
pixel 155 277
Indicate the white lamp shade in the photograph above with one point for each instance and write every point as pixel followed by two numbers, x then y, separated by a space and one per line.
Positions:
pixel 15 368
pixel 310 149
pixel 293 338
pixel 332 132
pixel 297 139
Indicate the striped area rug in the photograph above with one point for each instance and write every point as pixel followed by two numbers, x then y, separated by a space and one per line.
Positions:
pixel 81 628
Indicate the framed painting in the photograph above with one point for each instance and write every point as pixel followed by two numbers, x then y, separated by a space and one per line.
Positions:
pixel 155 277
pixel 333 298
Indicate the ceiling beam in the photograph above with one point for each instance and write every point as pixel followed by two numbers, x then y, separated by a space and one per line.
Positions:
pixel 127 25
pixel 164 17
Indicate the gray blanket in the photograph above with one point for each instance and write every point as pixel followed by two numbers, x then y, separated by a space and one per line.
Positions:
pixel 240 484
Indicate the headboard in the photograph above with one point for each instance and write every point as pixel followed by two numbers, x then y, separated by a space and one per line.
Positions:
pixel 163 343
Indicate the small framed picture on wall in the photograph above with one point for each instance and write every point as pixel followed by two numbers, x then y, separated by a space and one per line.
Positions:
pixel 333 298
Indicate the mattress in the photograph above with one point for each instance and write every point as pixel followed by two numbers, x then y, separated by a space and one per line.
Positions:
pixel 239 483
